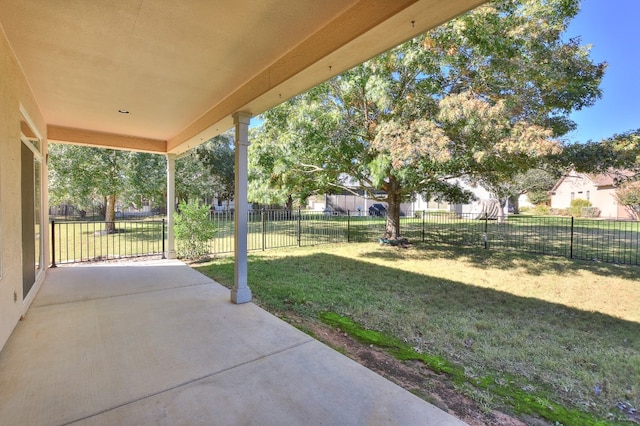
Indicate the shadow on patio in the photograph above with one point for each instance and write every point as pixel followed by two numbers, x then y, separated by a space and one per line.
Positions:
pixel 155 342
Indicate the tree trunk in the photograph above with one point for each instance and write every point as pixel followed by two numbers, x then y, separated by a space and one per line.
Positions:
pixel 515 202
pixel 392 228
pixel 110 214
pixel 501 214
pixel 289 207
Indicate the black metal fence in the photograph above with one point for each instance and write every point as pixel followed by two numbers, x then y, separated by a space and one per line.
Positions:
pixel 588 239
pixel 83 241
pixel 612 241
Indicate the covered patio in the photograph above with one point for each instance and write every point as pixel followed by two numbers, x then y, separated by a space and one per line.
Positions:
pixel 162 77
pixel 155 342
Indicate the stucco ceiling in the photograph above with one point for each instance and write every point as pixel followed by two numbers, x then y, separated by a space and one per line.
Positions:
pixel 180 68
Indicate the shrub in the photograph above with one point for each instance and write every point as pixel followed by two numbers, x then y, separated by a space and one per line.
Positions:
pixel 577 205
pixel 193 230
pixel 542 210
pixel 590 212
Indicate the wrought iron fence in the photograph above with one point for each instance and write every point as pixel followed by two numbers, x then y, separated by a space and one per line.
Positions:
pixel 587 239
pixel 84 241
pixel 612 241
pixel 269 229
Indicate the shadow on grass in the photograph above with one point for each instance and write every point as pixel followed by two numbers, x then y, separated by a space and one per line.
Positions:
pixel 588 360
pixel 533 263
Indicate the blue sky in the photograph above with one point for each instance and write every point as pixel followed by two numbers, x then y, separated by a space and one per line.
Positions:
pixel 613 28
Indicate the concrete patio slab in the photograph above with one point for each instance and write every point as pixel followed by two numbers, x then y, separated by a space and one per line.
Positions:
pixel 156 342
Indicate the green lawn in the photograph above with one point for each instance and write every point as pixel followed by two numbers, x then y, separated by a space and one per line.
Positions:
pixel 540 334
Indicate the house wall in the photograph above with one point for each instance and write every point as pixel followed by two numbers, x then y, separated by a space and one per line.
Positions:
pixel 578 185
pixel 582 187
pixel 14 95
pixel 605 200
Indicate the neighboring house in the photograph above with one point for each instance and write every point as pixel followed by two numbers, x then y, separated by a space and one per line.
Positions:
pixel 356 201
pixel 599 189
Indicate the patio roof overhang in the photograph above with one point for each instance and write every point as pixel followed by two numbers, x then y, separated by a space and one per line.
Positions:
pixel 164 76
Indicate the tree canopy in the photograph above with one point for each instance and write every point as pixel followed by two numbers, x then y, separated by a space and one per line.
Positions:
pixel 88 176
pixel 618 152
pixel 217 155
pixel 487 95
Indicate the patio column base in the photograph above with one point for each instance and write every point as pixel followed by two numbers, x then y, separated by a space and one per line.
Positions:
pixel 241 295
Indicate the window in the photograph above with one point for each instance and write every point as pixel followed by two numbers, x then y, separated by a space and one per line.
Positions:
pixel 588 196
pixel 573 195
pixel 33 218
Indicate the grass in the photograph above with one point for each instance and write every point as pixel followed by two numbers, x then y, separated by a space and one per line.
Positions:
pixel 539 334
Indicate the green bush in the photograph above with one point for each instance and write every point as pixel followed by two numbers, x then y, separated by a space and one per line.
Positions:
pixel 577 205
pixel 542 210
pixel 193 230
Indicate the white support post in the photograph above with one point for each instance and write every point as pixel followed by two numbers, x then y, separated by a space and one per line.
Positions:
pixel 171 205
pixel 241 292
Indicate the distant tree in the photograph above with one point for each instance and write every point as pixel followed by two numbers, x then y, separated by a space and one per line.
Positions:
pixel 218 156
pixel 629 196
pixel 146 180
pixel 83 175
pixel 536 183
pixel 88 176
pixel 192 179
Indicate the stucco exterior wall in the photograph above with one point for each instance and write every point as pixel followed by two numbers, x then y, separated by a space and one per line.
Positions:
pixel 14 95
pixel 605 200
pixel 582 187
pixel 572 183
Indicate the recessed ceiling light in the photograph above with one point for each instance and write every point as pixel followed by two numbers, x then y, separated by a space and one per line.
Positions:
pixel 123 111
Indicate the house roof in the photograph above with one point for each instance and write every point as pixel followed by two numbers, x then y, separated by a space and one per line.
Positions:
pixel 601 180
pixel 611 178
pixel 164 76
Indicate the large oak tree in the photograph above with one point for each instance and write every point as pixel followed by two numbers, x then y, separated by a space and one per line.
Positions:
pixel 485 95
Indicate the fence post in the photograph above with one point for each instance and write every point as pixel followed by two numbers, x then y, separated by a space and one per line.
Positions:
pixel 53 244
pixel 163 235
pixel 348 226
pixel 264 229
pixel 299 229
pixel 486 230
pixel 424 214
pixel 571 244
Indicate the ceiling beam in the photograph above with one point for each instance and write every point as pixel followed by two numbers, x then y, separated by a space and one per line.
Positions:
pixel 105 140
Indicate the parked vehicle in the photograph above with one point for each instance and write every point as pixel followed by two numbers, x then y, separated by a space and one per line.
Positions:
pixel 377 209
